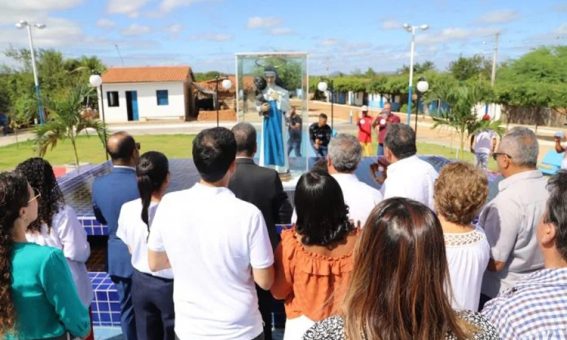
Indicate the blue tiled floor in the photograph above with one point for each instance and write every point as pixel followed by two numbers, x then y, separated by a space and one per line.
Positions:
pixel 114 333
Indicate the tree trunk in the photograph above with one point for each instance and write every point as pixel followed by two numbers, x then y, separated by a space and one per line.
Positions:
pixel 74 143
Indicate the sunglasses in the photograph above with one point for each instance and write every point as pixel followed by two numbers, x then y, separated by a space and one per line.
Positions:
pixel 496 154
pixel 36 195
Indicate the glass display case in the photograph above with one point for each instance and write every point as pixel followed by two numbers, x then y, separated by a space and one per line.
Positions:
pixel 271 93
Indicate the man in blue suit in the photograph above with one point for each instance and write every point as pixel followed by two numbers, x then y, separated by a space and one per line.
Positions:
pixel 109 192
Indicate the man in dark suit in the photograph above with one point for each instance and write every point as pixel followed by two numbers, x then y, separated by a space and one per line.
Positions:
pixel 263 188
pixel 109 192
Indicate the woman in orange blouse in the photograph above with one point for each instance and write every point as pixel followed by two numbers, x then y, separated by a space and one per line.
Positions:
pixel 314 258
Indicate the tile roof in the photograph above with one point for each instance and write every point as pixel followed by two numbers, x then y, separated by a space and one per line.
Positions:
pixel 146 74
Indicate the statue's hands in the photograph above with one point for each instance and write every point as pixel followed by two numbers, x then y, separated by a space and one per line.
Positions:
pixel 265 107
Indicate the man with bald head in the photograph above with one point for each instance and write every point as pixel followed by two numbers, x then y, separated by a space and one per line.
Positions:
pixel 109 192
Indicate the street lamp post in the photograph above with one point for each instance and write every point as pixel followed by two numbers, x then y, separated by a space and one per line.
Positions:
pixel 226 84
pixel 323 87
pixel 412 29
pixel 96 81
pixel 24 24
pixel 422 87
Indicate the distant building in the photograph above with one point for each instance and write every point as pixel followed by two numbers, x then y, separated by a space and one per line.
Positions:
pixel 142 93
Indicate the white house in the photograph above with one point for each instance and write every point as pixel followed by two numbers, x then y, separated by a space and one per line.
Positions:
pixel 141 93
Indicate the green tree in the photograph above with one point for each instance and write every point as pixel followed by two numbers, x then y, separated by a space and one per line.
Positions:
pixel 66 121
pixel 477 67
pixel 462 98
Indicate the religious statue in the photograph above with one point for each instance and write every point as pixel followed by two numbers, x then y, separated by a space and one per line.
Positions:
pixel 272 101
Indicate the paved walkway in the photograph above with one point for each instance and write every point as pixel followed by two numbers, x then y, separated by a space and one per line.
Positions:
pixel 342 122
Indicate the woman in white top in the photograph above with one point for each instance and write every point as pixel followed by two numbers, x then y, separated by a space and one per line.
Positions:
pixel 57 224
pixel 460 192
pixel 152 292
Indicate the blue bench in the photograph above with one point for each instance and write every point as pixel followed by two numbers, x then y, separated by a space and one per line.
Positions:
pixel 551 162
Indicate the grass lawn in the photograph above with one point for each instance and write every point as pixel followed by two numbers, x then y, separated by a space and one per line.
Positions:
pixel 173 146
pixel 90 150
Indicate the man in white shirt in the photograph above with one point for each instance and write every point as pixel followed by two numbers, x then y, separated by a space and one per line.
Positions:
pixel 510 219
pixel 217 246
pixel 344 156
pixel 407 175
pixel 483 143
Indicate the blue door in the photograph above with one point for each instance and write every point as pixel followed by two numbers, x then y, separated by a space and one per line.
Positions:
pixel 132 105
pixel 135 114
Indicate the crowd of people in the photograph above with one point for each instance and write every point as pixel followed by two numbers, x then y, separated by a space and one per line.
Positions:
pixel 424 257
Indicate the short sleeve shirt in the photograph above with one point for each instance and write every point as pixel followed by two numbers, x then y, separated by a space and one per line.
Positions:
pixel 510 222
pixel 212 252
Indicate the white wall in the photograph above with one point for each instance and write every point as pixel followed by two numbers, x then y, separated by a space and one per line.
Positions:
pixel 147 101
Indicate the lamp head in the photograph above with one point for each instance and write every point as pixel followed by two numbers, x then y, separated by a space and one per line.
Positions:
pixel 40 26
pixel 423 27
pixel 95 80
pixel 322 86
pixel 21 24
pixel 422 85
pixel 226 84
pixel 407 27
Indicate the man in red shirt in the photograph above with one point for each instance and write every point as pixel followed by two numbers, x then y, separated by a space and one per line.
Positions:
pixel 381 123
pixel 364 124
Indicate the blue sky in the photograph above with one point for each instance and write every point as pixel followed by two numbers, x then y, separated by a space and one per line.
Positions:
pixel 338 35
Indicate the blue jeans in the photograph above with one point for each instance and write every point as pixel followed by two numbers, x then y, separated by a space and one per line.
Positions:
pixel 294 144
pixel 321 152
pixel 380 149
pixel 127 319
pixel 482 160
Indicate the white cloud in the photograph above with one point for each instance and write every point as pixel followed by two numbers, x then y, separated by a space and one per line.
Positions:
pixel 328 42
pixel 136 29
pixel 499 17
pixel 168 5
pixel 453 34
pixel 266 22
pixel 212 37
pixel 105 23
pixel 391 25
pixel 562 30
pixel 57 33
pixel 130 8
pixel 559 8
pixel 281 31
pixel 174 29
pixel 40 5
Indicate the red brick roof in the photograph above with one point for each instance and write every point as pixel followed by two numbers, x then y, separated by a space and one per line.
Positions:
pixel 146 74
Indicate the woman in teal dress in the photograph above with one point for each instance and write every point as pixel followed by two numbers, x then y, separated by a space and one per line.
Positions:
pixel 38 298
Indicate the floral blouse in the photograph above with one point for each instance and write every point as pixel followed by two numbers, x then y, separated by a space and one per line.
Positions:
pixel 332 328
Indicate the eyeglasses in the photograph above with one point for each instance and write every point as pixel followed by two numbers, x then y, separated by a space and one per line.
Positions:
pixel 496 154
pixel 36 195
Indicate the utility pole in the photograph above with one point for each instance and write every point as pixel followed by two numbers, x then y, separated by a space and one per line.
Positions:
pixel 494 57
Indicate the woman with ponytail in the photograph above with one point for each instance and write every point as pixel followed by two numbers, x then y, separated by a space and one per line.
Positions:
pixel 152 292
pixel 38 299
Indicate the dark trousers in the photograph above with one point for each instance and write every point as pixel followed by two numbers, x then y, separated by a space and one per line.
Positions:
pixel 265 302
pixel 153 306
pixel 259 337
pixel 294 144
pixel 127 320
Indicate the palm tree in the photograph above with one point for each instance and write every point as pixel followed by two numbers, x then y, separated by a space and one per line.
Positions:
pixel 66 122
pixel 460 116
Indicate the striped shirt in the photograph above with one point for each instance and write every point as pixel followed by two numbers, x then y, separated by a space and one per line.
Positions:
pixel 535 308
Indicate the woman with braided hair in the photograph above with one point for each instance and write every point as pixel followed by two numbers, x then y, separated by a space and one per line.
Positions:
pixel 38 298
pixel 152 292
